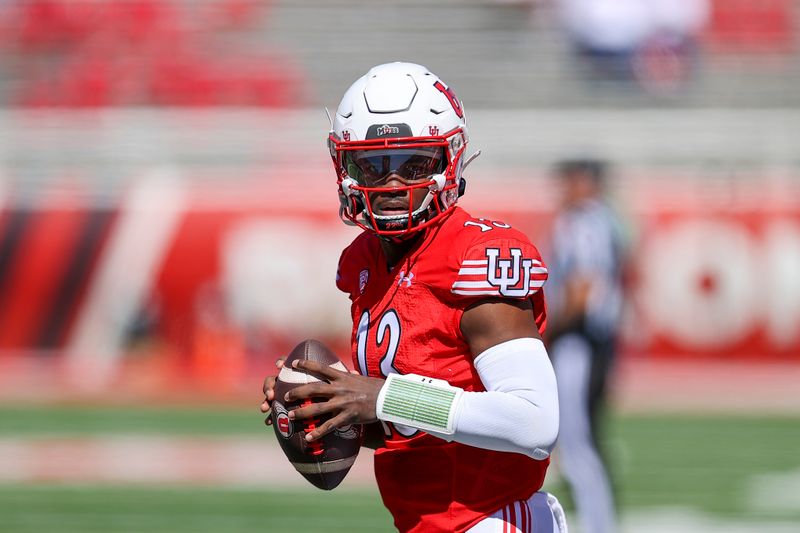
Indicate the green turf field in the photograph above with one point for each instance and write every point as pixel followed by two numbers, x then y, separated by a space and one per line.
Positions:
pixel 711 465
pixel 34 509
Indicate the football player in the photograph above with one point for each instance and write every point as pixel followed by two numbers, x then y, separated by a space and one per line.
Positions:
pixel 448 313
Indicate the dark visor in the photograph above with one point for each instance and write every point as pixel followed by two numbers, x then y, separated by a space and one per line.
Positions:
pixel 371 168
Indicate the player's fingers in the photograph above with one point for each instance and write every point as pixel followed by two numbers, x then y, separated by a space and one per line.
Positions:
pixel 265 406
pixel 269 384
pixel 316 409
pixel 316 369
pixel 319 389
pixel 326 427
pixel 279 362
pixel 309 411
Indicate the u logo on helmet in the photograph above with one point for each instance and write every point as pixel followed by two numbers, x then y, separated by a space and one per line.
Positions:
pixel 451 96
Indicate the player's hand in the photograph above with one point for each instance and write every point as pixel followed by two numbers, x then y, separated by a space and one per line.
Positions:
pixel 349 398
pixel 269 392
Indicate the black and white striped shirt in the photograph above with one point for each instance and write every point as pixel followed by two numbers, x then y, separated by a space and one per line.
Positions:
pixel 587 242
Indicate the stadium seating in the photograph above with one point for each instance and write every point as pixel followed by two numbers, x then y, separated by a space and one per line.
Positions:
pixel 144 52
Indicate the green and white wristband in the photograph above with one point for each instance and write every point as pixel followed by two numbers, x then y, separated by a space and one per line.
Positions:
pixel 419 402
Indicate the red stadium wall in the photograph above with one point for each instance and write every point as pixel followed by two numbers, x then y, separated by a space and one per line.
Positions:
pixel 234 281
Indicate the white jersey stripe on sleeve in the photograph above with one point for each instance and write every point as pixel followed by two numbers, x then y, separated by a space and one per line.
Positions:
pixel 472 285
pixel 495 292
pixel 465 271
pixel 485 262
pixel 477 293
pixel 482 283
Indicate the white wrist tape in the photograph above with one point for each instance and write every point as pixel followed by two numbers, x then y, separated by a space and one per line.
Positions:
pixel 420 402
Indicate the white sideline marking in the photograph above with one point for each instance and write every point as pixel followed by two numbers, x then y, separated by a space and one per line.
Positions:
pixel 685 520
pixel 775 492
pixel 238 461
pixel 258 462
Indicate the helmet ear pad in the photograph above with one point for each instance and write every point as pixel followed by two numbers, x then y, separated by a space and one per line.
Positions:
pixel 351 195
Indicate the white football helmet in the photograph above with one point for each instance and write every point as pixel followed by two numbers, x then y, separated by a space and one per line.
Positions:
pixel 398 128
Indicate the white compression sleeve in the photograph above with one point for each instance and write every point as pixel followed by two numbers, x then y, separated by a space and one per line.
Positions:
pixel 517 413
pixel 519 410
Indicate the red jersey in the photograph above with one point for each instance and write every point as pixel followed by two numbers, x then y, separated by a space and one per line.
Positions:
pixel 407 319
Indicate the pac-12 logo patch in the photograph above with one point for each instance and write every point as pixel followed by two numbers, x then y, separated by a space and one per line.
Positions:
pixel 363 278
pixel 282 421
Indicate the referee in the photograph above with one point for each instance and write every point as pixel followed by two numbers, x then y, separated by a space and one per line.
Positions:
pixel 584 305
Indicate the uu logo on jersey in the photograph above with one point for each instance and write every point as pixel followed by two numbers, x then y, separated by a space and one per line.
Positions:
pixel 512 277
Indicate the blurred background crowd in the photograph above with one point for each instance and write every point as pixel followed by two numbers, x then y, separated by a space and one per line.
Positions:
pixel 168 210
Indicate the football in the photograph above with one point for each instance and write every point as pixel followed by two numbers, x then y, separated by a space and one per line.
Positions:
pixel 324 462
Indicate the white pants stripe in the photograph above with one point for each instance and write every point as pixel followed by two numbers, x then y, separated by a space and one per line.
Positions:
pixel 541 513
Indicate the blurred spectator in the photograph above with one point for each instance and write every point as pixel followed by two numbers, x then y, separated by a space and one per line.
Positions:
pixel 143 52
pixel 584 306
pixel 652 42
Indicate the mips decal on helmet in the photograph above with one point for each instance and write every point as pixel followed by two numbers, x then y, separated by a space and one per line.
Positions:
pixel 397 142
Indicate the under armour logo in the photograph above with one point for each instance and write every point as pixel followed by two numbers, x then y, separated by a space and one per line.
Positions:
pixel 405 279
pixel 506 274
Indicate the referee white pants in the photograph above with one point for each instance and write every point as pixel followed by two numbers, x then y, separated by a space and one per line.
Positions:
pixel 541 513
pixel 578 459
